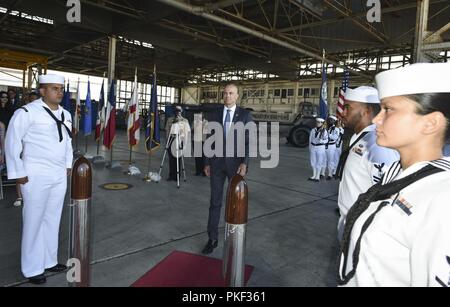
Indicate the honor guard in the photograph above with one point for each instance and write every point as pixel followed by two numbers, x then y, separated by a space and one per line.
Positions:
pixel 398 232
pixel 330 148
pixel 39 156
pixel 364 162
pixel 318 139
pixel 339 145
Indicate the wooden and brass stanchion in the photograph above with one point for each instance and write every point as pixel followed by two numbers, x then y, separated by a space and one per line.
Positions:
pixel 236 218
pixel 80 220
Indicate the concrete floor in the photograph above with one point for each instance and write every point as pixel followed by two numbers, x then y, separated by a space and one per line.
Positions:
pixel 291 236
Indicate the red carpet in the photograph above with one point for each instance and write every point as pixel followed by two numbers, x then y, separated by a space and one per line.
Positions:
pixel 181 269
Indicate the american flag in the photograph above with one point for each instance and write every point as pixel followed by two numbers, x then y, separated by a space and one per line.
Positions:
pixel 341 101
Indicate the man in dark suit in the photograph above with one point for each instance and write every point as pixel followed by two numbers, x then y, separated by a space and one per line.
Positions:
pixel 226 166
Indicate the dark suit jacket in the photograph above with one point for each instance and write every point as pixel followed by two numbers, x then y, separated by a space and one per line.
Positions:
pixel 231 163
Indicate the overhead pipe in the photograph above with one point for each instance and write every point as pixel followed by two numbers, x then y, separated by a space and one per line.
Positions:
pixel 200 11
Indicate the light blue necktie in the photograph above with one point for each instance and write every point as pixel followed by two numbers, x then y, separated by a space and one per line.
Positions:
pixel 227 123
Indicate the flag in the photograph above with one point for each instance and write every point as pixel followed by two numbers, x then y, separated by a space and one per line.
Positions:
pixel 66 99
pixel 342 90
pixel 99 125
pixel 152 134
pixel 77 113
pixel 323 104
pixel 88 112
pixel 134 123
pixel 110 118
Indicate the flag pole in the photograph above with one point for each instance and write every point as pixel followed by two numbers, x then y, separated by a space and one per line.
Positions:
pixel 150 154
pixel 147 177
pixel 77 115
pixel 98 143
pixel 111 153
pixel 76 141
pixel 129 114
pixel 101 130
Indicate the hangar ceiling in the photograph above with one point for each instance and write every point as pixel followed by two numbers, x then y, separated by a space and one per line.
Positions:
pixel 187 39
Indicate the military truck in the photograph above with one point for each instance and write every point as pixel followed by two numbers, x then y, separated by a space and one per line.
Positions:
pixel 304 122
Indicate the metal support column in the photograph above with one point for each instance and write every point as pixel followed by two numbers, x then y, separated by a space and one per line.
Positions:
pixel 421 30
pixel 112 58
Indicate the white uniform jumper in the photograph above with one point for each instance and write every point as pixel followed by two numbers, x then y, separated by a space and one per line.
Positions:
pixel 408 242
pixel 333 137
pixel 365 165
pixel 317 141
pixel 46 155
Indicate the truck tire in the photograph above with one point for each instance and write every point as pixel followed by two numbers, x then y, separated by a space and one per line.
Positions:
pixel 299 136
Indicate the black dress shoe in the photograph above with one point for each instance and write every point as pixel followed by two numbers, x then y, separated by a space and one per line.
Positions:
pixel 209 247
pixel 329 178
pixel 57 268
pixel 38 279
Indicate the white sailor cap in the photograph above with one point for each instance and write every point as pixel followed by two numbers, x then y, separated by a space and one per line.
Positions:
pixel 419 78
pixel 178 108
pixel 51 79
pixel 364 94
pixel 320 120
pixel 332 117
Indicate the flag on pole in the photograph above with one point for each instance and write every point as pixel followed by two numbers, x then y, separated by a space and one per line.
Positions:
pixel 66 99
pixel 342 90
pixel 323 105
pixel 134 123
pixel 110 119
pixel 88 112
pixel 152 134
pixel 99 125
pixel 77 113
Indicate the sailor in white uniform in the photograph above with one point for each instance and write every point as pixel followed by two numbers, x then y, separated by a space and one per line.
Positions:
pixel 330 148
pixel 339 145
pixel 398 233
pixel 364 162
pixel 41 131
pixel 318 139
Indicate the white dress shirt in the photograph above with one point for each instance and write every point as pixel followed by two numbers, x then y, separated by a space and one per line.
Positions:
pixel 232 111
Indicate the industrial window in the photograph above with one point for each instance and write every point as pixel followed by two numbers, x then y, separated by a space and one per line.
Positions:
pixel 306 92
pixel 336 92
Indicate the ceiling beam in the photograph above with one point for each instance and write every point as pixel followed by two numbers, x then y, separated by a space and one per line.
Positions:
pixel 392 9
pixel 283 41
pixel 223 4
pixel 363 25
pixel 9 9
